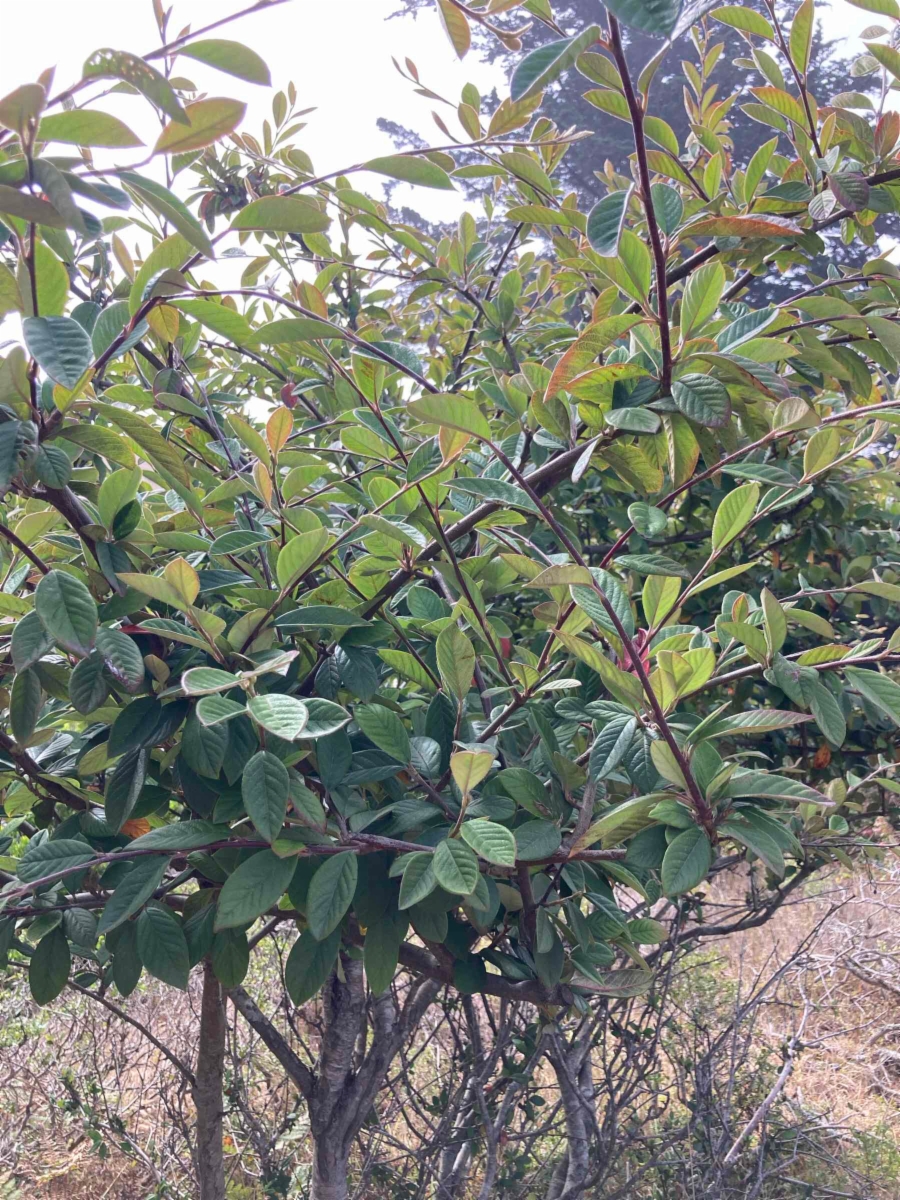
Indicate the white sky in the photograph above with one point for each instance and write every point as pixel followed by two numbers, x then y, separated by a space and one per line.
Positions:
pixel 337 52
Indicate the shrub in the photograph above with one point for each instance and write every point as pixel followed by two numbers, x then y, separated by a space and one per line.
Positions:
pixel 429 591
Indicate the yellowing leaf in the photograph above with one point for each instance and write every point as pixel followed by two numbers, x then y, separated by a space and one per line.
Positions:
pixel 455 26
pixel 585 349
pixel 469 767
pixel 454 412
pixel 209 121
pixel 734 514
pixel 278 428
pixel 282 214
pixel 184 579
pixel 299 554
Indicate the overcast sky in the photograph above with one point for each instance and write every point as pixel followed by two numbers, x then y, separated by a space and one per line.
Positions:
pixel 337 53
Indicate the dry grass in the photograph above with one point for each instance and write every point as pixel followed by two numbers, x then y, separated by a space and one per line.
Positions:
pixel 124 1137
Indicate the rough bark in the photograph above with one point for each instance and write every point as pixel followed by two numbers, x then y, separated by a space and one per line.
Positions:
pixel 344 1085
pixel 207 1089
pixel 574 1072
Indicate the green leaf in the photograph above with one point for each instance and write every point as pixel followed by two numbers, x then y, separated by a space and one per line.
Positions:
pixel 256 886
pixel 316 615
pixel 162 946
pixel 411 169
pixel 385 729
pixel 701 297
pixel 230 57
pixel 126 965
pixel 548 62
pixel 52 466
pixel 168 206
pixel 230 957
pixel 734 514
pixel 802 35
pixel 119 64
pixel 656 17
pixel 878 689
pixel 648 520
pixel 284 716
pixel 702 399
pixel 456 661
pixel 238 541
pixel 29 208
pixel 47 858
pixel 828 714
pixel 687 861
pixel 48 968
pixel 55 187
pixel 382 949
pixel 508 494
pixel 738 16
pixel 265 786
pixel 22 105
pixel 418 880
pixel 87 684
pixel 455 867
pixel 201 681
pixel 60 346
pixel 30 641
pixel 296 329
pixel 298 555
pixel 536 840
pixel 124 786
pixel 604 223
pixel 325 717
pixel 633 420
pixel 611 746
pixel 68 611
pixel 644 931
pixel 452 412
pixel 158 451
pixel 133 890
pixel 330 894
pixel 757 840
pixel 760 784
pixel 652 564
pixel 309 965
pixel 122 657
pixel 183 835
pixel 25 703
pixel 282 214
pixel 10 294
pixel 490 841
pixel 88 127
pixel 214 709
pixel 208 120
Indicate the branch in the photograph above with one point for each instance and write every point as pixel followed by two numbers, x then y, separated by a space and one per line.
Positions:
pixel 659 255
pixel 273 1040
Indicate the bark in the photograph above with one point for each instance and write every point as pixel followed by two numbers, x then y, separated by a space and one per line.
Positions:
pixel 574 1071
pixel 330 1172
pixel 344 1085
pixel 456 1159
pixel 207 1089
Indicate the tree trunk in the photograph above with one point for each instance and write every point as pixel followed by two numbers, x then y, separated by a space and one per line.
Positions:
pixel 574 1071
pixel 329 1172
pixel 207 1091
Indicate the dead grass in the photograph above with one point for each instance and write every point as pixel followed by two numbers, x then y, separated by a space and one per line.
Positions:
pixel 847 1076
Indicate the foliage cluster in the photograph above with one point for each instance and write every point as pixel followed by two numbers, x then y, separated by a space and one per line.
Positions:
pixel 554 575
